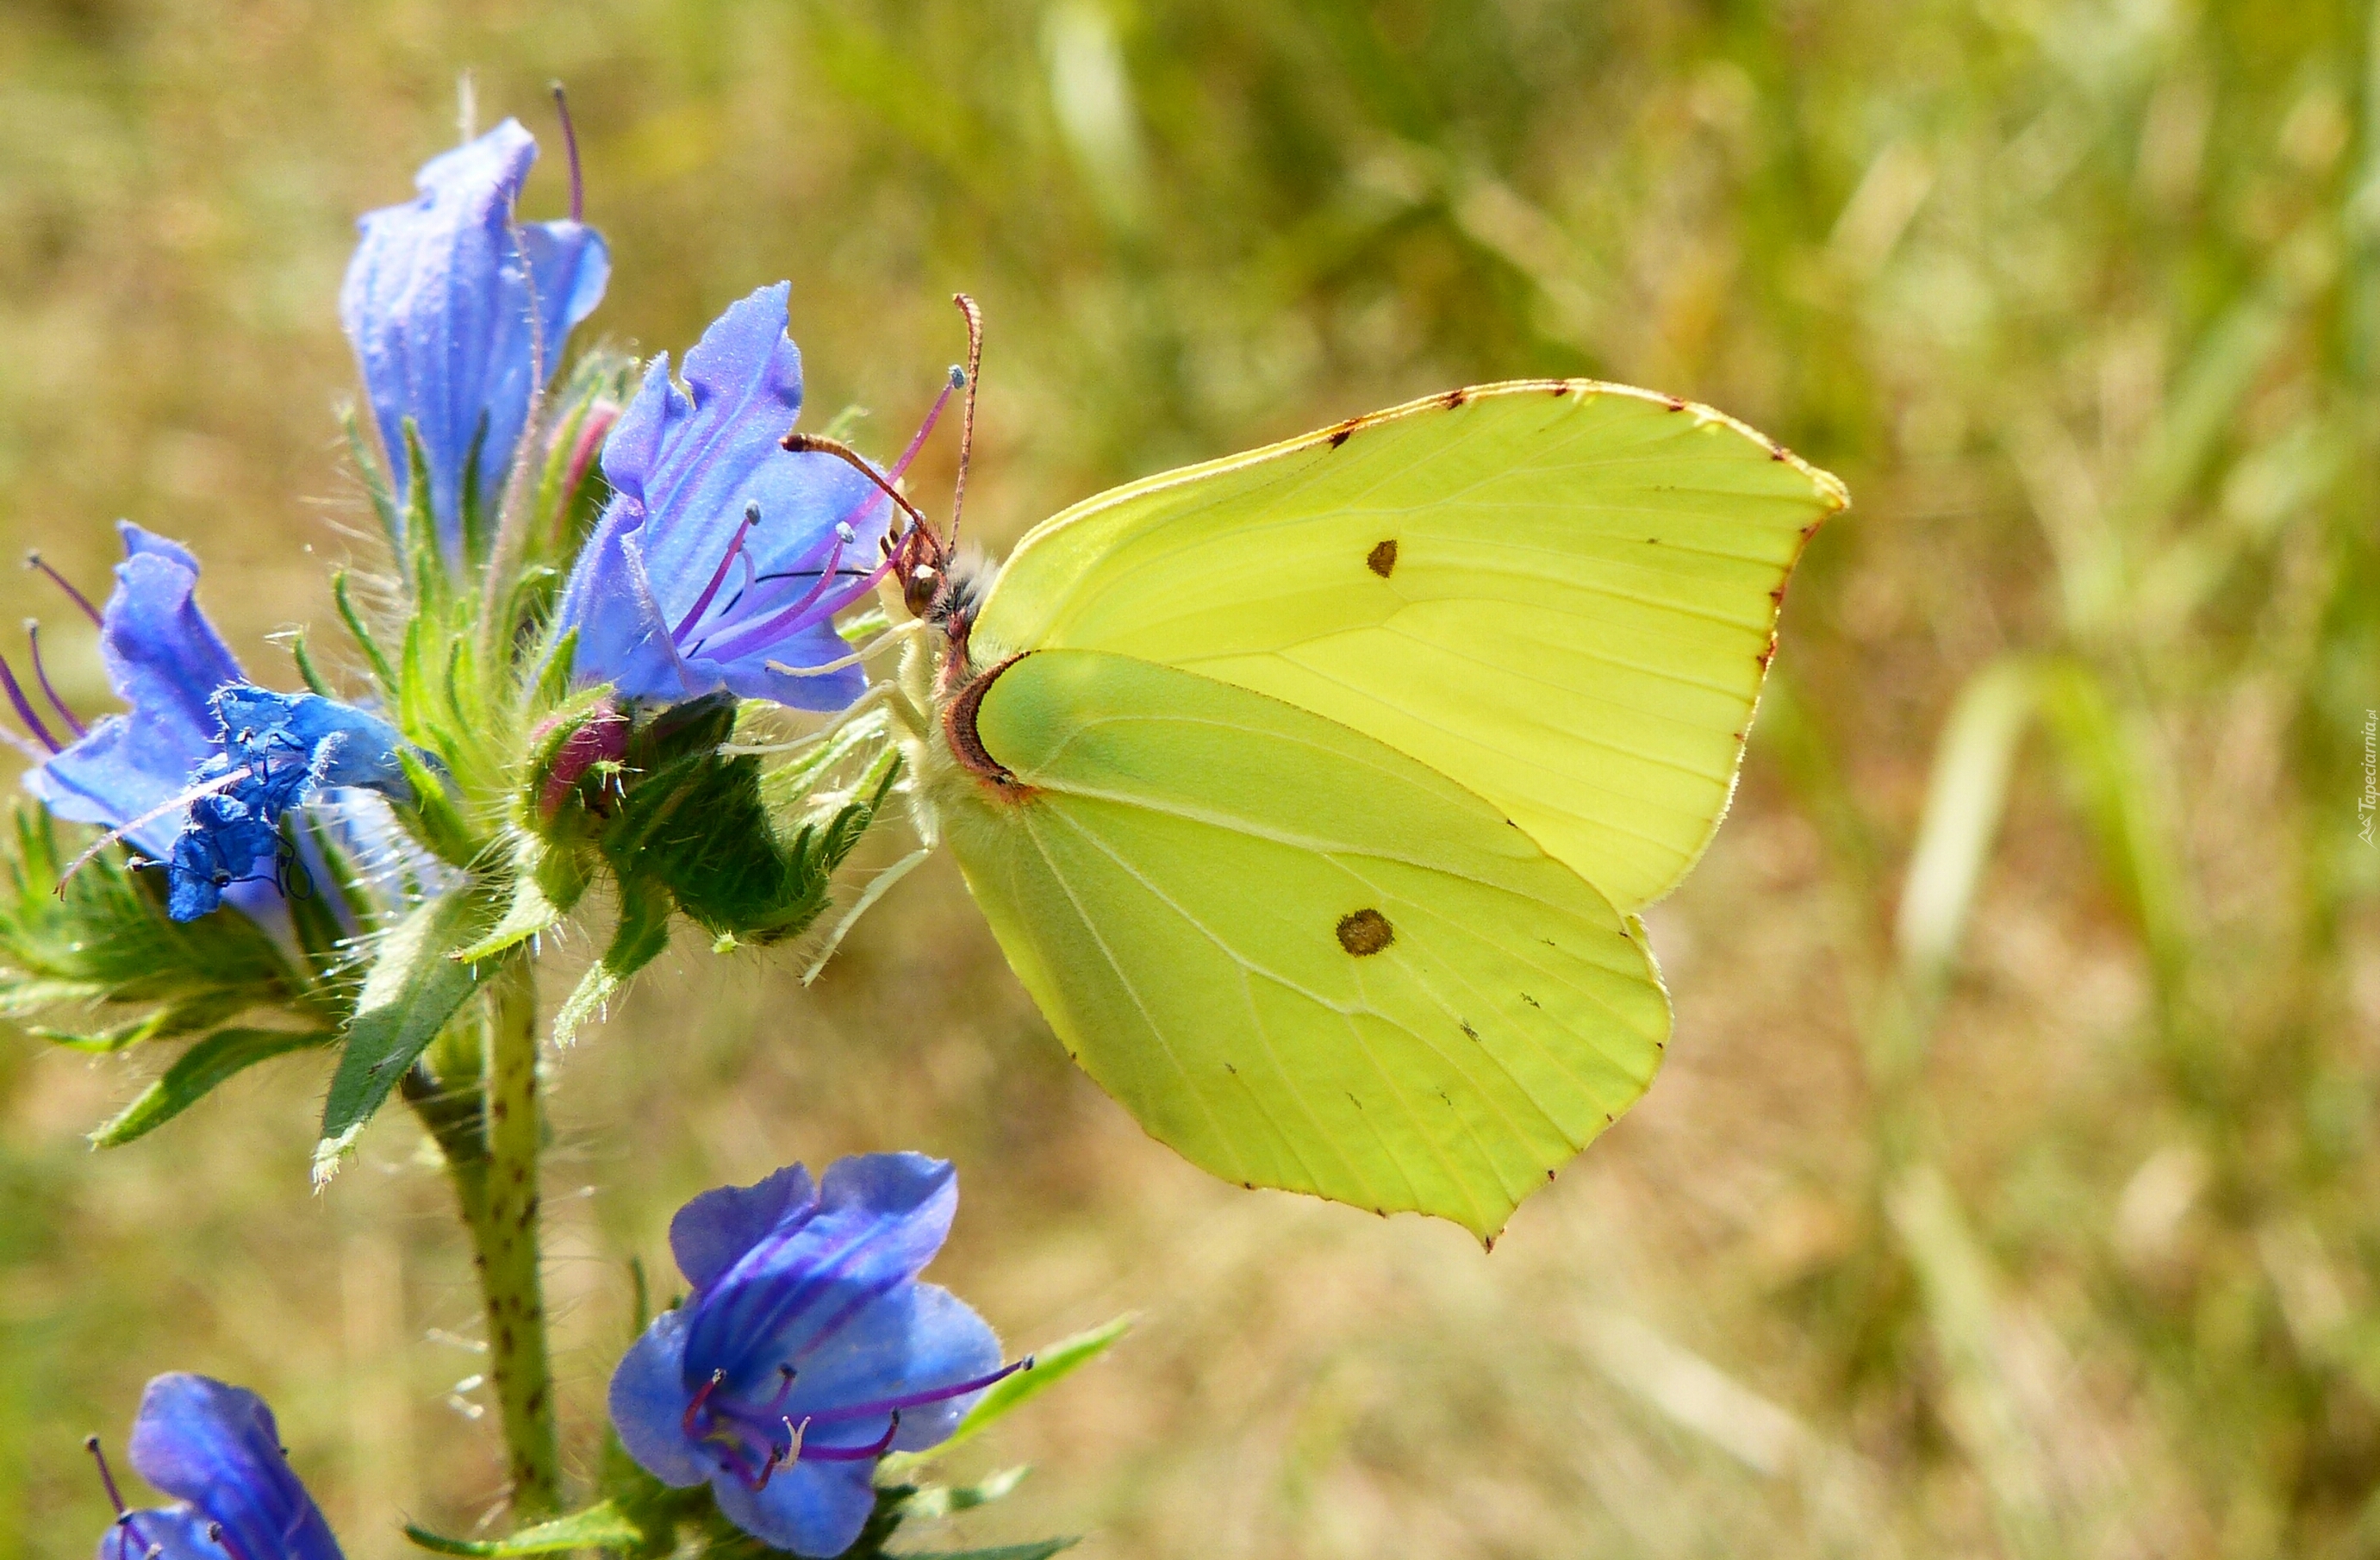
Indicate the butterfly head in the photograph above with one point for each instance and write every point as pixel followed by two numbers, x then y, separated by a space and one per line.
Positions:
pixel 940 584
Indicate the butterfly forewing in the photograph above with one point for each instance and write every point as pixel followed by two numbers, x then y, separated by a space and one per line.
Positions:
pixel 1561 595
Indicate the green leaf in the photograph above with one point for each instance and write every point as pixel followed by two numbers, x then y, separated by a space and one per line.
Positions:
pixel 412 989
pixel 425 569
pixel 439 823
pixel 196 1072
pixel 104 940
pixel 639 938
pixel 308 672
pixel 554 673
pixel 383 672
pixel 170 1021
pixel 1051 1366
pixel 546 884
pixel 362 907
pixel 384 502
pixel 21 997
pixel 477 536
pixel 601 1526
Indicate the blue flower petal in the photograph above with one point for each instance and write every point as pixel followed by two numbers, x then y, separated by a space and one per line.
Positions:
pixel 714 1229
pixel 459 313
pixel 285 748
pixel 879 1218
pixel 811 1509
pixel 223 841
pixel 217 1447
pixel 648 1402
pixel 138 541
pixel 743 391
pixel 807 1313
pixel 341 744
pixel 915 1339
pixel 165 660
pixel 656 616
pixel 176 1533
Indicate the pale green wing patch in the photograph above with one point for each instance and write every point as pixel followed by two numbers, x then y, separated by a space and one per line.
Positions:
pixel 1561 594
pixel 1292 953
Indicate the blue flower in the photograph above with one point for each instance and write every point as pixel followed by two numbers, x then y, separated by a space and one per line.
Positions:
pixel 199 770
pixel 164 660
pixel 459 313
pixel 216 1448
pixel 808 1348
pixel 274 751
pixel 723 558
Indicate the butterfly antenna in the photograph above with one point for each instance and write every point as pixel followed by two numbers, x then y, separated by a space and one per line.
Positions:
pixel 966 422
pixel 818 443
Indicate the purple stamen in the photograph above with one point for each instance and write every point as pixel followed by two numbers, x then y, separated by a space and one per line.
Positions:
pixel 732 1462
pixel 33 560
pixel 106 1474
pixel 738 603
pixel 925 429
pixel 701 1396
pixel 42 676
pixel 768 628
pixel 25 708
pixel 127 1529
pixel 222 1541
pixel 570 141
pixel 883 1445
pixel 919 1400
pixel 781 623
pixel 916 442
pixel 719 575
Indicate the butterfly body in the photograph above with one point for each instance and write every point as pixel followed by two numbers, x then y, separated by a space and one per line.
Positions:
pixel 1313 793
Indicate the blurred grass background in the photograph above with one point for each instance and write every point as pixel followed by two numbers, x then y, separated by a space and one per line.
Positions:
pixel 2012 1188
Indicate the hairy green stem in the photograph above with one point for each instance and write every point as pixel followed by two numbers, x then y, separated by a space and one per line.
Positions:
pixel 491 1143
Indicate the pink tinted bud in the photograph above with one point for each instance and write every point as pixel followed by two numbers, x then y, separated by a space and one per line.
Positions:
pixel 602 737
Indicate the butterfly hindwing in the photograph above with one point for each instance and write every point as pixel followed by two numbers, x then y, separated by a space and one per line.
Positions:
pixel 1296 954
pixel 1561 595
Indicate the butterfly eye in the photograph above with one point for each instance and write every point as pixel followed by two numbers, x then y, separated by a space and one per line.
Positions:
pixel 918 590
